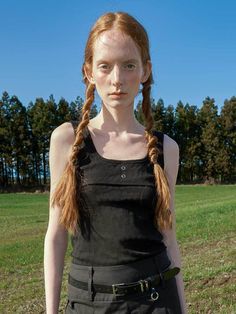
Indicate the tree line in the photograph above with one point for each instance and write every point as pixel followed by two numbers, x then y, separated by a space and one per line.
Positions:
pixel 206 138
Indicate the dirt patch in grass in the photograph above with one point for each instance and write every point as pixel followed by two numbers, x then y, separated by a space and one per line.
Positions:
pixel 218 281
pixel 210 276
pixel 212 295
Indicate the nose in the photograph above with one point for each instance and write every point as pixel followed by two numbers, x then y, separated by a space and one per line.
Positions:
pixel 116 76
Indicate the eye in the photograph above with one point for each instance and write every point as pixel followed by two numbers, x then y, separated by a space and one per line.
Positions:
pixel 104 66
pixel 130 66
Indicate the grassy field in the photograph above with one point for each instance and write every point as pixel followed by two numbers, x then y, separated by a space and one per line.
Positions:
pixel 206 225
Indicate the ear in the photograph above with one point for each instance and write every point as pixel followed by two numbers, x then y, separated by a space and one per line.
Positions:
pixel 147 69
pixel 88 74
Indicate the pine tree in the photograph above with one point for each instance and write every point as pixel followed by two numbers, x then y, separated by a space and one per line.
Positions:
pixel 159 115
pixel 169 122
pixel 20 144
pixel 75 108
pixel 5 143
pixel 210 139
pixel 227 156
pixel 63 113
pixel 193 147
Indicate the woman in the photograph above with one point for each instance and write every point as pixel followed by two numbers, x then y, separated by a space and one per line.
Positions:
pixel 112 187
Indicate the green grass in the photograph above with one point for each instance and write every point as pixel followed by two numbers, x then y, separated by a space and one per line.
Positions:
pixel 206 224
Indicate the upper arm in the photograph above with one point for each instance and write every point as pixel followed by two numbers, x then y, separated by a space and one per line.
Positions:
pixel 171 162
pixel 61 142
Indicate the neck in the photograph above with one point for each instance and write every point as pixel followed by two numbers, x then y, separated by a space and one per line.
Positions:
pixel 117 120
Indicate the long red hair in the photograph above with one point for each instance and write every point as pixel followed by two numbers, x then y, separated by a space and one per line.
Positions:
pixel 66 194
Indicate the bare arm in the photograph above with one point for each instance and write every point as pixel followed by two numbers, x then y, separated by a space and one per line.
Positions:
pixel 171 155
pixel 56 238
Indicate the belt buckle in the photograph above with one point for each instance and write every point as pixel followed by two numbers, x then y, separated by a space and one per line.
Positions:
pixel 114 287
pixel 144 284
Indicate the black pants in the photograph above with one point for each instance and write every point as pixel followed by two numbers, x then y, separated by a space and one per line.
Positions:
pixel 85 302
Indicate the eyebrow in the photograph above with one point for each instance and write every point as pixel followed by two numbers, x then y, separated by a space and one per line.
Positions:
pixel 126 61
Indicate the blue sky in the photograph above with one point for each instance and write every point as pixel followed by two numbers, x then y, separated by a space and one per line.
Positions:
pixel 193 47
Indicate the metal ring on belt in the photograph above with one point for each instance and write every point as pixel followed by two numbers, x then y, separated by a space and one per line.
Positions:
pixel 122 289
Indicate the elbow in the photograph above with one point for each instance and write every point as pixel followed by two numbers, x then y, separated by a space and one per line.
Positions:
pixel 58 236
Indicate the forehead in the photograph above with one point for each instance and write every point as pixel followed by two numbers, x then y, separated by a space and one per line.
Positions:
pixel 114 44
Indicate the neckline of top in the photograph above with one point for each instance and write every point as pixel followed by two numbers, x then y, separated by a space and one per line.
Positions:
pixel 119 161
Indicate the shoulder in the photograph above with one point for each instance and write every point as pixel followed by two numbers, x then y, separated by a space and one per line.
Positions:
pixel 170 146
pixel 171 157
pixel 61 142
pixel 63 134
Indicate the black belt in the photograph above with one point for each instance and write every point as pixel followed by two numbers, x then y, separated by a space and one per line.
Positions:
pixel 122 289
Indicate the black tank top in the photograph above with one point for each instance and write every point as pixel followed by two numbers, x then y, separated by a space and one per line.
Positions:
pixel 119 198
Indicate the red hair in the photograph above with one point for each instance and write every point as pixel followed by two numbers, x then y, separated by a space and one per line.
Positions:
pixel 66 194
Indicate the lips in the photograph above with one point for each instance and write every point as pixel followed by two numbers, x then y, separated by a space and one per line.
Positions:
pixel 118 93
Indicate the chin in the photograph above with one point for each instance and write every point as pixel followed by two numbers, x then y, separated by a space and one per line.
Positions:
pixel 118 104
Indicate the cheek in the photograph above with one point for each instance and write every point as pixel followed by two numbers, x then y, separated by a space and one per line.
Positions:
pixel 100 78
pixel 134 77
pixel 134 83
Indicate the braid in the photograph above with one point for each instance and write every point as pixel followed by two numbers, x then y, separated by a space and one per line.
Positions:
pixel 83 123
pixel 66 194
pixel 163 218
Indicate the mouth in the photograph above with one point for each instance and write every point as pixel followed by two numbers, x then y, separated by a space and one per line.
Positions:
pixel 118 93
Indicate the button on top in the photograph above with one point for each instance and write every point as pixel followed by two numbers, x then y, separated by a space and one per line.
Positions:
pixel 123 168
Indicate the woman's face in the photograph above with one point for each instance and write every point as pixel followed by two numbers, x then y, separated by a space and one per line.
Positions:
pixel 117 69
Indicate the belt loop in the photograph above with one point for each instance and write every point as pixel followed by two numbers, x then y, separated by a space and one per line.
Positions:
pixel 90 283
